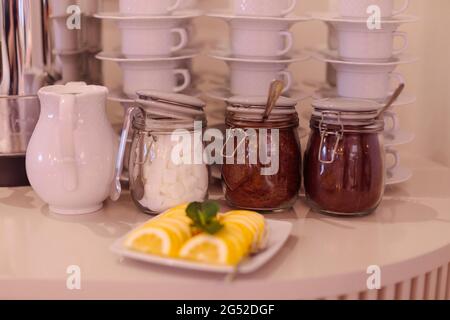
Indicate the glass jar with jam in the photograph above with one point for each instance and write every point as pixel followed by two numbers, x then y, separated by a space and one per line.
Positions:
pixel 344 164
pixel 262 157
pixel 166 166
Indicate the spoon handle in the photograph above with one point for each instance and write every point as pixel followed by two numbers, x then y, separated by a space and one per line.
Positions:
pixel 275 91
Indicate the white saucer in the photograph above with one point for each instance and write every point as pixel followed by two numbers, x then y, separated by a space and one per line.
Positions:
pixel 332 56
pixel 119 57
pixel 229 16
pixel 223 94
pixel 225 55
pixel 325 93
pixel 400 138
pixel 116 95
pixel 335 17
pixel 177 15
pixel 400 175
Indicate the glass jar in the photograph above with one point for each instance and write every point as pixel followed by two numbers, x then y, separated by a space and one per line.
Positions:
pixel 344 160
pixel 166 166
pixel 262 159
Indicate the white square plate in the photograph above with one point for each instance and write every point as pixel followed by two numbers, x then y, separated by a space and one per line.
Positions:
pixel 279 232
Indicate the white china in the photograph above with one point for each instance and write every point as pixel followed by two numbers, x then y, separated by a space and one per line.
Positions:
pixel 227 56
pixel 143 38
pixel 277 236
pixel 154 75
pixel 327 92
pixel 366 82
pixel 65 39
pixel 252 79
pixel 230 16
pixel 263 8
pixel 72 146
pixel 399 175
pixel 118 57
pixel 392 123
pixel 335 17
pixel 393 165
pixel 398 138
pixel 365 8
pixel 257 42
pixel 224 93
pixel 357 42
pixel 145 7
pixel 179 16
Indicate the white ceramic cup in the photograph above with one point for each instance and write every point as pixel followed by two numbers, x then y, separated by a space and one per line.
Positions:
pixel 65 39
pixel 254 79
pixel 255 42
pixel 146 7
pixel 395 155
pixel 356 42
pixel 362 82
pixel 264 8
pixel 154 75
pixel 151 38
pixel 363 8
pixel 392 124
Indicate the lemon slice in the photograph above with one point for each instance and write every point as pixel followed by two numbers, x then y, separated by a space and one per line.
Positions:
pixel 211 250
pixel 237 238
pixel 252 220
pixel 153 240
pixel 177 227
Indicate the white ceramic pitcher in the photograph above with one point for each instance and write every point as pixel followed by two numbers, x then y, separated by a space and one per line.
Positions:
pixel 71 155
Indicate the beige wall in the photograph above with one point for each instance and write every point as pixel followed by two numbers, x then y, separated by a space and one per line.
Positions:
pixel 429 79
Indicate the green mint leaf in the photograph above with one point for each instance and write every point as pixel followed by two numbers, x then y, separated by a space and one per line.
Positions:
pixel 213 227
pixel 210 210
pixel 193 211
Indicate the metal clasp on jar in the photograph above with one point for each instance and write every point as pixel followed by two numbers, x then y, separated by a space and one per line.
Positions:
pixel 325 132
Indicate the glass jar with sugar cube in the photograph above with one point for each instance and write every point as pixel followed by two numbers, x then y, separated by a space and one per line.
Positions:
pixel 166 162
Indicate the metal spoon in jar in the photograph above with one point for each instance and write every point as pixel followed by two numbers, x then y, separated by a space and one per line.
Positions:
pixel 275 91
pixel 392 99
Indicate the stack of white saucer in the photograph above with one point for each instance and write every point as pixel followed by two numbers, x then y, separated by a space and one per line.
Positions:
pixel 75 46
pixel 259 50
pixel 155 47
pixel 364 54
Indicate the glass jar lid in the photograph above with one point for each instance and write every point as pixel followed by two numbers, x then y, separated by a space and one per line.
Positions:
pixel 346 109
pixel 249 111
pixel 170 105
pixel 163 112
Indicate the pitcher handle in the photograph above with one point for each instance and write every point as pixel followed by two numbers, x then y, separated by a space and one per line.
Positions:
pixel 66 140
pixel 116 188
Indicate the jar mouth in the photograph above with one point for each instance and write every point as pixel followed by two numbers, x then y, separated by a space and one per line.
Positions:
pixel 167 126
pixel 257 122
pixel 348 126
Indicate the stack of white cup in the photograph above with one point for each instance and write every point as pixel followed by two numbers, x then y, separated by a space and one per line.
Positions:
pixel 76 39
pixel 361 62
pixel 260 46
pixel 155 45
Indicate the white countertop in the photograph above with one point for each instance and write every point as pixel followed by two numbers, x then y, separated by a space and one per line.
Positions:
pixel 324 256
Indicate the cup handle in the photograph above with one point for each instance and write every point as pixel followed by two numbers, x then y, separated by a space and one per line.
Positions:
pixel 397 76
pixel 395 122
pixel 67 105
pixel 175 6
pixel 116 188
pixel 183 39
pixel 405 45
pixel 292 5
pixel 186 75
pixel 402 9
pixel 289 42
pixel 287 78
pixel 396 155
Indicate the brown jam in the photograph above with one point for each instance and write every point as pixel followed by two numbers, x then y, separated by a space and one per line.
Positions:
pixel 247 188
pixel 353 182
